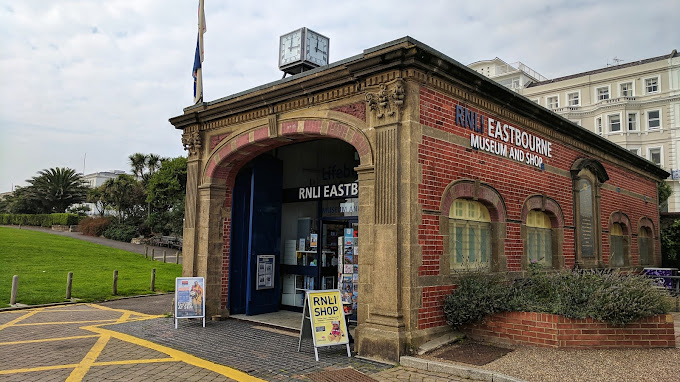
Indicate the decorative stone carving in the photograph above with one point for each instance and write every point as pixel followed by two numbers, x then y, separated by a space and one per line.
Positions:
pixel 357 110
pixel 387 101
pixel 192 142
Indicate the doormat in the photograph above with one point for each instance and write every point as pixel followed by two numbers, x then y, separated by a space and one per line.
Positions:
pixel 470 352
pixel 340 375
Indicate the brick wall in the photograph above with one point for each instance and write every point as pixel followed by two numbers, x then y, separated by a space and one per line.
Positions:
pixel 550 330
pixel 443 161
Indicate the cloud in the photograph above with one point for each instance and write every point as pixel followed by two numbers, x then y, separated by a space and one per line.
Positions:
pixel 103 77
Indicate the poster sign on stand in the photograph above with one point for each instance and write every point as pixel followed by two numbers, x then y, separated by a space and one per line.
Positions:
pixel 324 320
pixel 189 298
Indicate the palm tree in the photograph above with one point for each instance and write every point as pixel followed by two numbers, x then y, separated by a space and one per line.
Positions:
pixel 138 163
pixel 56 189
pixel 153 162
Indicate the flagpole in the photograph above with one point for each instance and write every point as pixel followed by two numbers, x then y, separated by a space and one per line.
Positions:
pixel 198 57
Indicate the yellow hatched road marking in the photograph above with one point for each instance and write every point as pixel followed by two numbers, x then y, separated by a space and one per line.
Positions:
pixel 176 354
pixel 48 340
pixel 133 361
pixel 20 318
pixel 39 368
pixel 84 366
pixel 102 307
pixel 63 323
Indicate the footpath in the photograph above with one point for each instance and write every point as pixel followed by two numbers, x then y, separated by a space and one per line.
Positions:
pixel 105 342
pixel 134 339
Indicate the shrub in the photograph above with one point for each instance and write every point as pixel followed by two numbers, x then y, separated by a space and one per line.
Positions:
pixel 477 295
pixel 121 232
pixel 39 220
pixel 626 298
pixel 64 219
pixel 94 226
pixel 615 298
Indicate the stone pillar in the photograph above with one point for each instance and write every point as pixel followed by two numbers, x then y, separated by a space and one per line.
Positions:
pixel 209 242
pixel 382 334
pixel 190 209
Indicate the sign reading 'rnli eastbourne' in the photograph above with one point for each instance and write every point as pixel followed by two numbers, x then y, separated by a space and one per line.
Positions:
pixel 503 139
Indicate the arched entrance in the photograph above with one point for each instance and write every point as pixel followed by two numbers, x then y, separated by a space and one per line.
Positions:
pixel 288 201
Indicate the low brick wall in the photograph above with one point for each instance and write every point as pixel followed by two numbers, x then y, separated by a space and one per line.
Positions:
pixel 549 330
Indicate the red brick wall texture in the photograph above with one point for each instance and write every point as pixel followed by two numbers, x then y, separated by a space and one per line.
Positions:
pixel 443 161
pixel 549 330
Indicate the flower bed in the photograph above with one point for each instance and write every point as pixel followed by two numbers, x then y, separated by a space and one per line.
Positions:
pixel 550 330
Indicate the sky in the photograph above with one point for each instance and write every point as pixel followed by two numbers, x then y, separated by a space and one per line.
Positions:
pixel 87 83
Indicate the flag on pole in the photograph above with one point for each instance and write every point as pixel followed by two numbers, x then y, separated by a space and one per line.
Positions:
pixel 198 57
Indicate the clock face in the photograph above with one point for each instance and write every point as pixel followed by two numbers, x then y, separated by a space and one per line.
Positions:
pixel 316 48
pixel 291 48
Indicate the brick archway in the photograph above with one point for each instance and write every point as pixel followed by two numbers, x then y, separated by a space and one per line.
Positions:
pixel 233 152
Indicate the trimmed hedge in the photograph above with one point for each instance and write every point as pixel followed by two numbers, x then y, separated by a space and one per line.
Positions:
pixel 39 220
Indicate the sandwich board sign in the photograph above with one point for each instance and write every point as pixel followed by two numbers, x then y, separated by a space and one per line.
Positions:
pixel 189 298
pixel 323 319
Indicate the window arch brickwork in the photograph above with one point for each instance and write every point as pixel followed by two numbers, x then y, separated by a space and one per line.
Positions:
pixel 553 210
pixel 492 200
pixel 646 223
pixel 619 241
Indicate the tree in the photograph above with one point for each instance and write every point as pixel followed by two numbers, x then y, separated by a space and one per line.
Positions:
pixel 664 191
pixel 166 190
pixel 138 163
pixel 124 194
pixel 55 189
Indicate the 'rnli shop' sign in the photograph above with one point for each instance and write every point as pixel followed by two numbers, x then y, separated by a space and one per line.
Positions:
pixel 323 320
pixel 502 139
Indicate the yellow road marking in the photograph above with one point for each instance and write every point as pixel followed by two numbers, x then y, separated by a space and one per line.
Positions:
pixel 48 340
pixel 64 322
pixel 133 361
pixel 39 368
pixel 102 307
pixel 84 366
pixel 21 318
pixel 176 354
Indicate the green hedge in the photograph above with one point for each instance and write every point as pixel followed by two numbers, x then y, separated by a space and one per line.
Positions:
pixel 39 220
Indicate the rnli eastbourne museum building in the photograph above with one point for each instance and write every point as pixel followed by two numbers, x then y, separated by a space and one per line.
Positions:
pixel 386 174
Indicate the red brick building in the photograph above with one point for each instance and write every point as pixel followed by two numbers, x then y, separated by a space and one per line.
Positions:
pixel 387 174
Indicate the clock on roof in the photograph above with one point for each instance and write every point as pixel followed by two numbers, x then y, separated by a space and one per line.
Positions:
pixel 301 50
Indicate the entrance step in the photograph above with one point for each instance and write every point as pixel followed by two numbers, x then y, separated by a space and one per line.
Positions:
pixel 440 341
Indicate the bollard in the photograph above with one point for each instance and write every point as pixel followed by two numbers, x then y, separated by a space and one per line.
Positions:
pixel 15 285
pixel 164 256
pixel 153 280
pixel 146 251
pixel 115 282
pixel 153 253
pixel 69 282
pixel 177 257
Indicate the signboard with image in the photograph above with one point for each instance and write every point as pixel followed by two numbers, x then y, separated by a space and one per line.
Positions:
pixel 189 298
pixel 323 320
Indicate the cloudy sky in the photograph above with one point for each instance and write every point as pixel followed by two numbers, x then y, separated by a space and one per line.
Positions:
pixel 86 83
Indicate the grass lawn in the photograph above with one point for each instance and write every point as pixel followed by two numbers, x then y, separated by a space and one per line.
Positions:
pixel 42 262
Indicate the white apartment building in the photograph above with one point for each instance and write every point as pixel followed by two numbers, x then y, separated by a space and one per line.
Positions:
pixel 514 76
pixel 636 105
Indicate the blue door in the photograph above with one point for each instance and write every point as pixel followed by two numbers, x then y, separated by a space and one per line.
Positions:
pixel 238 269
pixel 264 237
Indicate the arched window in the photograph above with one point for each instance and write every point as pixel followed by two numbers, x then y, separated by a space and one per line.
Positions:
pixel 469 235
pixel 539 238
pixel 645 246
pixel 617 255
